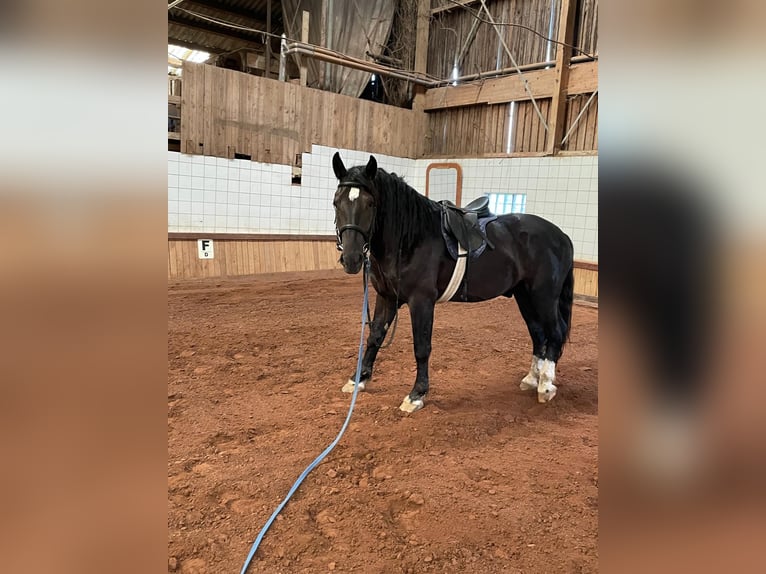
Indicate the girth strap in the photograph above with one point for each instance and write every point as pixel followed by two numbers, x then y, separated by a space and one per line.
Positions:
pixel 457 275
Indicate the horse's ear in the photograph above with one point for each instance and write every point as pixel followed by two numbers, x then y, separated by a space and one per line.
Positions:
pixel 338 167
pixel 372 168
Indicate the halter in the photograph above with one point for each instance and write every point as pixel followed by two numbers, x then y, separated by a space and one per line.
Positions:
pixel 339 231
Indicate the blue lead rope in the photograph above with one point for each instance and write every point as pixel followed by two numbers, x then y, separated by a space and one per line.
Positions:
pixel 326 451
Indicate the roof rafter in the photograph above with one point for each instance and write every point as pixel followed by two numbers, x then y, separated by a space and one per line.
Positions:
pixel 205 26
pixel 252 17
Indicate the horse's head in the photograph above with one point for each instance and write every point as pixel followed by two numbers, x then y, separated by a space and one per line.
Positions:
pixel 354 204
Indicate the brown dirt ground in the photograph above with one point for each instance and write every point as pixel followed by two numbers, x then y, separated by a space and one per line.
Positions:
pixel 482 480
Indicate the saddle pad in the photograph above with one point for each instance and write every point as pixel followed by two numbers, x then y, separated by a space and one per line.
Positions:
pixel 451 242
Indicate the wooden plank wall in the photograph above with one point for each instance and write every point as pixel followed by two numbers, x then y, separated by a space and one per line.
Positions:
pixel 586 27
pixel 449 31
pixel 475 131
pixel 481 129
pixel 241 257
pixel 586 281
pixel 236 257
pixel 224 111
pixel 585 135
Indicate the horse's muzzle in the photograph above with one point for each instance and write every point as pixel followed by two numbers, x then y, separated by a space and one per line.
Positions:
pixel 352 264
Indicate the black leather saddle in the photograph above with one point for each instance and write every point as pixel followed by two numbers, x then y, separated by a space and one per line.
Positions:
pixel 463 222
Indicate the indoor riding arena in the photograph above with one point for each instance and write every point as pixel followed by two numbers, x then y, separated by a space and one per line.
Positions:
pixel 479 471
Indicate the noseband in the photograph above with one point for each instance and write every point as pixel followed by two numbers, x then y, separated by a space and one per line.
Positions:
pixel 339 231
pixel 339 237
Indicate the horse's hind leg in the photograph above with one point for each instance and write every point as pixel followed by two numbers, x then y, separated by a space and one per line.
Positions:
pixel 555 335
pixel 385 310
pixel 536 332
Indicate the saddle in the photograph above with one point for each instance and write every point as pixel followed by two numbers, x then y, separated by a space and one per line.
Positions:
pixel 462 223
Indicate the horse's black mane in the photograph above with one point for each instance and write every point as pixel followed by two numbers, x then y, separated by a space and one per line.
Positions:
pixel 404 217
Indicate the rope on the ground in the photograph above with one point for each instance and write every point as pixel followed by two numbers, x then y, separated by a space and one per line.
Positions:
pixel 326 451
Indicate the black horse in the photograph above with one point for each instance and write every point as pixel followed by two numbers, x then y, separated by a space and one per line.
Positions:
pixel 378 215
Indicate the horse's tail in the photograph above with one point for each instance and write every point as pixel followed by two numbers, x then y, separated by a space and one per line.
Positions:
pixel 566 299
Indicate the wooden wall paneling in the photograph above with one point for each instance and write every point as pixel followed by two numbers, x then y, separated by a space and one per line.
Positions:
pixel 264 123
pixel 587 26
pixel 206 113
pixel 584 134
pixel 250 256
pixel 242 253
pixel 502 127
pixel 287 124
pixel 588 128
pixel 529 114
pixel 542 134
pixel 258 112
pixel 189 110
pixel 231 115
pixel 477 127
pixel 586 282
pixel 172 259
pixel 274 121
pixel 316 124
pixel 338 121
pixel 244 139
pixel 521 113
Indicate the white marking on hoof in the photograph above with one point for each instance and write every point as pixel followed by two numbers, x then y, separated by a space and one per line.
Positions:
pixel 410 406
pixel 545 394
pixel 349 386
pixel 546 390
pixel 528 383
pixel 353 193
pixel 531 380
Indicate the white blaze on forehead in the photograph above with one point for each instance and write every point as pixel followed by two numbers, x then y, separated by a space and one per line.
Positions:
pixel 353 193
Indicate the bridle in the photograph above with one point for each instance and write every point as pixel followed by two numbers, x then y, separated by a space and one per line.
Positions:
pixel 353 226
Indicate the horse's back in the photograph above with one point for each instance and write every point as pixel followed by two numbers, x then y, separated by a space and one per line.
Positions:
pixel 530 230
pixel 534 243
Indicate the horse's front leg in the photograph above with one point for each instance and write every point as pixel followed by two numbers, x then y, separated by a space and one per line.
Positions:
pixel 385 310
pixel 422 314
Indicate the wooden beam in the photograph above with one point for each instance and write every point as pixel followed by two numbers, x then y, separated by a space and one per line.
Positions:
pixel 563 56
pixel 583 79
pixel 451 6
pixel 224 33
pixel 421 50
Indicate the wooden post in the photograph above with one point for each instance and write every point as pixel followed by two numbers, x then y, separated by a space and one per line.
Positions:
pixel 268 38
pixel 421 50
pixel 563 56
pixel 304 39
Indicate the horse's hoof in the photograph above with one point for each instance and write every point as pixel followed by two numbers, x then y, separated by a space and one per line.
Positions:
pixel 410 406
pixel 546 393
pixel 528 383
pixel 349 386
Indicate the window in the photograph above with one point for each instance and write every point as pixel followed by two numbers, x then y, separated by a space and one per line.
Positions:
pixel 502 203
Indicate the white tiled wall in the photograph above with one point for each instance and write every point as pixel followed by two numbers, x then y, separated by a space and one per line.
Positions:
pixel 216 195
